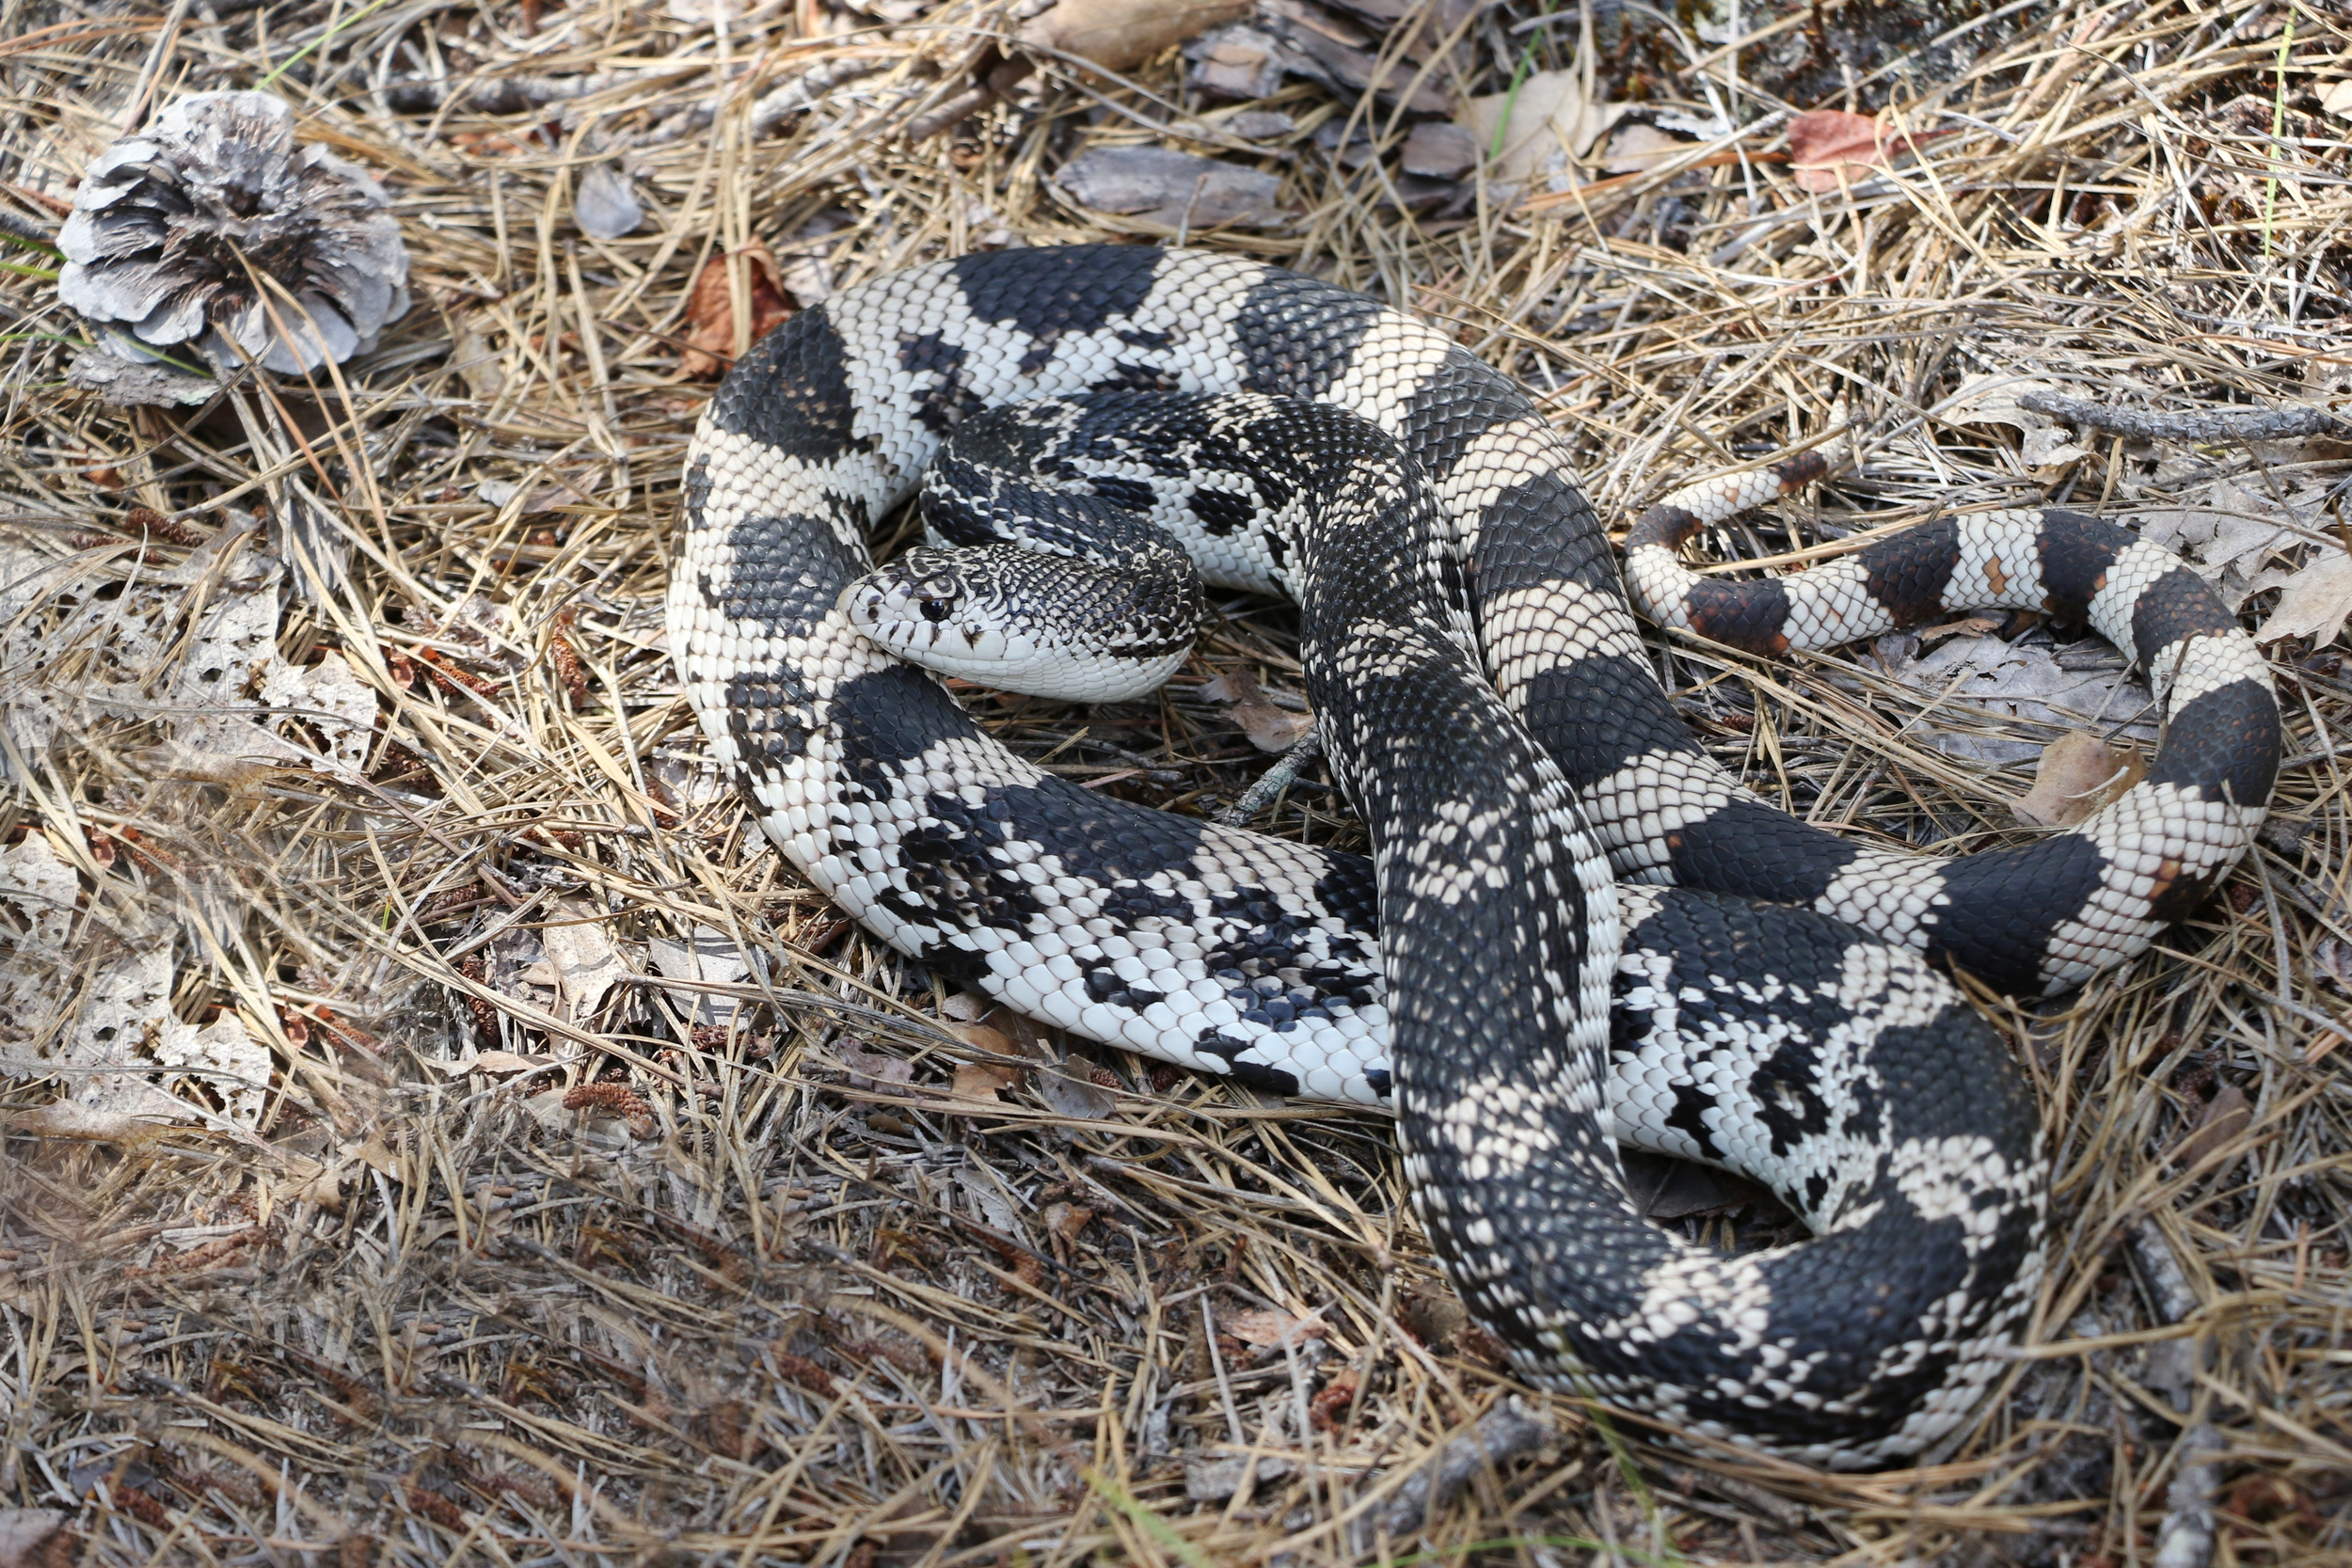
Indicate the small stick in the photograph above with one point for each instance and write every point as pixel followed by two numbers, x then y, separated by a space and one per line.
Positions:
pixel 1502 1434
pixel 2233 424
pixel 1273 781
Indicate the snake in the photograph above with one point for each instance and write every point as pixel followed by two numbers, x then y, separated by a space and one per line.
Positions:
pixel 1575 931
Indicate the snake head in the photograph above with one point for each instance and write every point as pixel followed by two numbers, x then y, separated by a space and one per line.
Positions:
pixel 1048 626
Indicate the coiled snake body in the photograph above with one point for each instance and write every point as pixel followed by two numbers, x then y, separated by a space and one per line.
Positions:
pixel 1524 1007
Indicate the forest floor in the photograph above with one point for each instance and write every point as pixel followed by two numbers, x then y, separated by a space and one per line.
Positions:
pixel 438 1130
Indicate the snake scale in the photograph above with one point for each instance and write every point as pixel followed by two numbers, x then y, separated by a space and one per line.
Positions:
pixel 1511 968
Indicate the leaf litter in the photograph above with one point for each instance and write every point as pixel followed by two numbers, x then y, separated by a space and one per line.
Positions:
pixel 639 1270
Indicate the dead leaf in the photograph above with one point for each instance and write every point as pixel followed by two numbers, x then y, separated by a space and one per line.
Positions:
pixel 379 1157
pixel 26 1537
pixel 710 308
pixel 2031 681
pixel 1550 127
pixel 2332 963
pixel 1268 727
pixel 322 1186
pixel 1067 1094
pixel 604 205
pixel 711 958
pixel 586 961
pixel 506 1063
pixel 871 1069
pixel 42 889
pixel 1120 35
pixel 2079 776
pixel 1638 146
pixel 1271 1329
pixel 2050 448
pixel 1830 147
pixel 1992 399
pixel 330 697
pixel 2337 100
pixel 1067 1220
pixel 2314 602
pixel 2224 1117
pixel 979 1037
pixel 983 1080
pixel 965 1006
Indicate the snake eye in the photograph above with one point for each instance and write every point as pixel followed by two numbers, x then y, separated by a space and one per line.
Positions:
pixel 936 609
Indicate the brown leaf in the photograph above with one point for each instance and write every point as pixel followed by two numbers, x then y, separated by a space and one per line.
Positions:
pixel 500 1062
pixel 1828 146
pixel 1329 1408
pixel 1269 1329
pixel 966 1007
pixel 871 1069
pixel 1546 123
pixel 1433 1315
pixel 710 310
pixel 1120 35
pixel 2224 1117
pixel 983 1080
pixel 2079 776
pixel 981 1036
pixel 1269 728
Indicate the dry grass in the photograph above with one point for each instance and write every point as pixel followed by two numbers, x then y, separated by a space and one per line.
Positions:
pixel 759 1298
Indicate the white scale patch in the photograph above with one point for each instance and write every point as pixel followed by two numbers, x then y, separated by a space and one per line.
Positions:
pixel 1945 1179
pixel 1697 1286
pixel 1888 894
pixel 1549 627
pixel 2000 562
pixel 2197 665
pixel 2137 565
pixel 1657 794
pixel 1720 499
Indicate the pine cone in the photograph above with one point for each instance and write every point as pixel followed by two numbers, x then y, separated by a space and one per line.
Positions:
pixel 209 227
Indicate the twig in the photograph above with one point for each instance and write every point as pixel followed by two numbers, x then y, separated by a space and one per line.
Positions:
pixel 1273 781
pixel 2219 424
pixel 1502 1434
